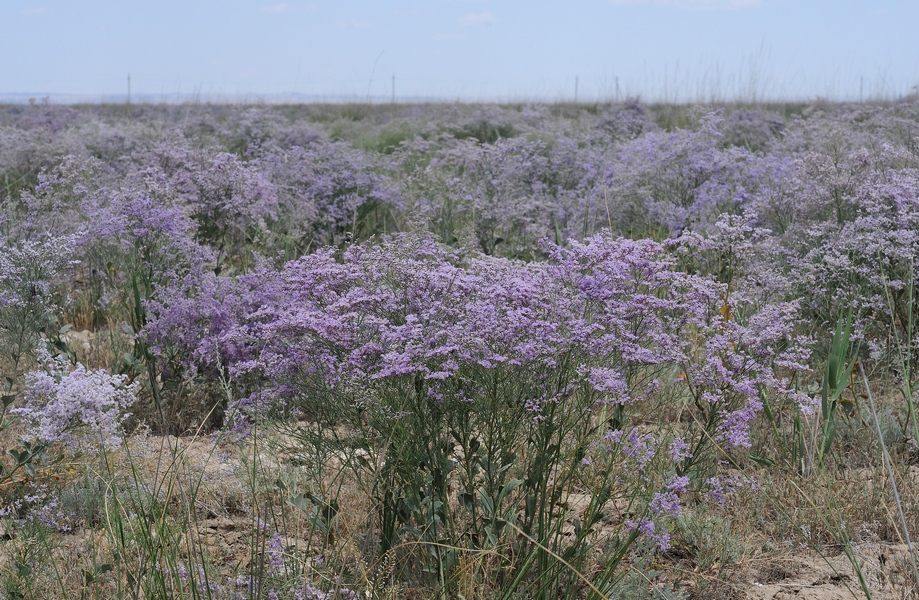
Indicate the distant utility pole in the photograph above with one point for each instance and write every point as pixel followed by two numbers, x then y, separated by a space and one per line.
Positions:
pixel 393 88
pixel 575 89
pixel 617 89
pixel 129 89
pixel 861 88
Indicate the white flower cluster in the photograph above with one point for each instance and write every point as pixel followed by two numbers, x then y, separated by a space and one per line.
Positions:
pixel 75 405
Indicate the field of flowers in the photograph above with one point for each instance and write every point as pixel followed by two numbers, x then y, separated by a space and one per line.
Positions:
pixel 459 351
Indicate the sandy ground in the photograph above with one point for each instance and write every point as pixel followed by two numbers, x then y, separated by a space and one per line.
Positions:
pixel 806 574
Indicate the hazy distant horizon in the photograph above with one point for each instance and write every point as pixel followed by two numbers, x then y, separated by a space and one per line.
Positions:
pixel 38 98
pixel 467 50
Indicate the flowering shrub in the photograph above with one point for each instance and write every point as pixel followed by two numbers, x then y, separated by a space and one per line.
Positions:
pixel 868 262
pixel 752 129
pixel 31 276
pixel 503 197
pixel 132 238
pixel 54 204
pixel 60 400
pixel 626 121
pixel 428 349
pixel 667 182
pixel 326 192
pixel 230 201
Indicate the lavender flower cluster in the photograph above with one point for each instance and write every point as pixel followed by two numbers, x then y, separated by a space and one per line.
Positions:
pixel 409 333
pixel 414 269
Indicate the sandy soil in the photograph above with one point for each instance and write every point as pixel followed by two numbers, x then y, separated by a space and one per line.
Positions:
pixel 806 574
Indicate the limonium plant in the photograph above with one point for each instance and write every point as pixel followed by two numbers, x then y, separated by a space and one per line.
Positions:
pixel 543 349
pixel 73 405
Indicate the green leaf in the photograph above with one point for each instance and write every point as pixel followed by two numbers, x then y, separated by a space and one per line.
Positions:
pixel 302 502
pixel 509 487
pixel 578 528
pixel 486 505
pixel 492 538
pixel 761 460
pixel 530 505
pixel 466 499
pixel 23 569
pixel 829 434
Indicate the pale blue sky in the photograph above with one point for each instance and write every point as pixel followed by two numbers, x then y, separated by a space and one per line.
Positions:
pixel 462 49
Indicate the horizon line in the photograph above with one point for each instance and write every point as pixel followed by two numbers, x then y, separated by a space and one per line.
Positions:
pixel 64 98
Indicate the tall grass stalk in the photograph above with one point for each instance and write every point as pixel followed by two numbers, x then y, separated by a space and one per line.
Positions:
pixel 890 473
pixel 513 589
pixel 905 357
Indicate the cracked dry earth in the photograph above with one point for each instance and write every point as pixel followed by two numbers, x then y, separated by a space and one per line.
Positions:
pixel 885 568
